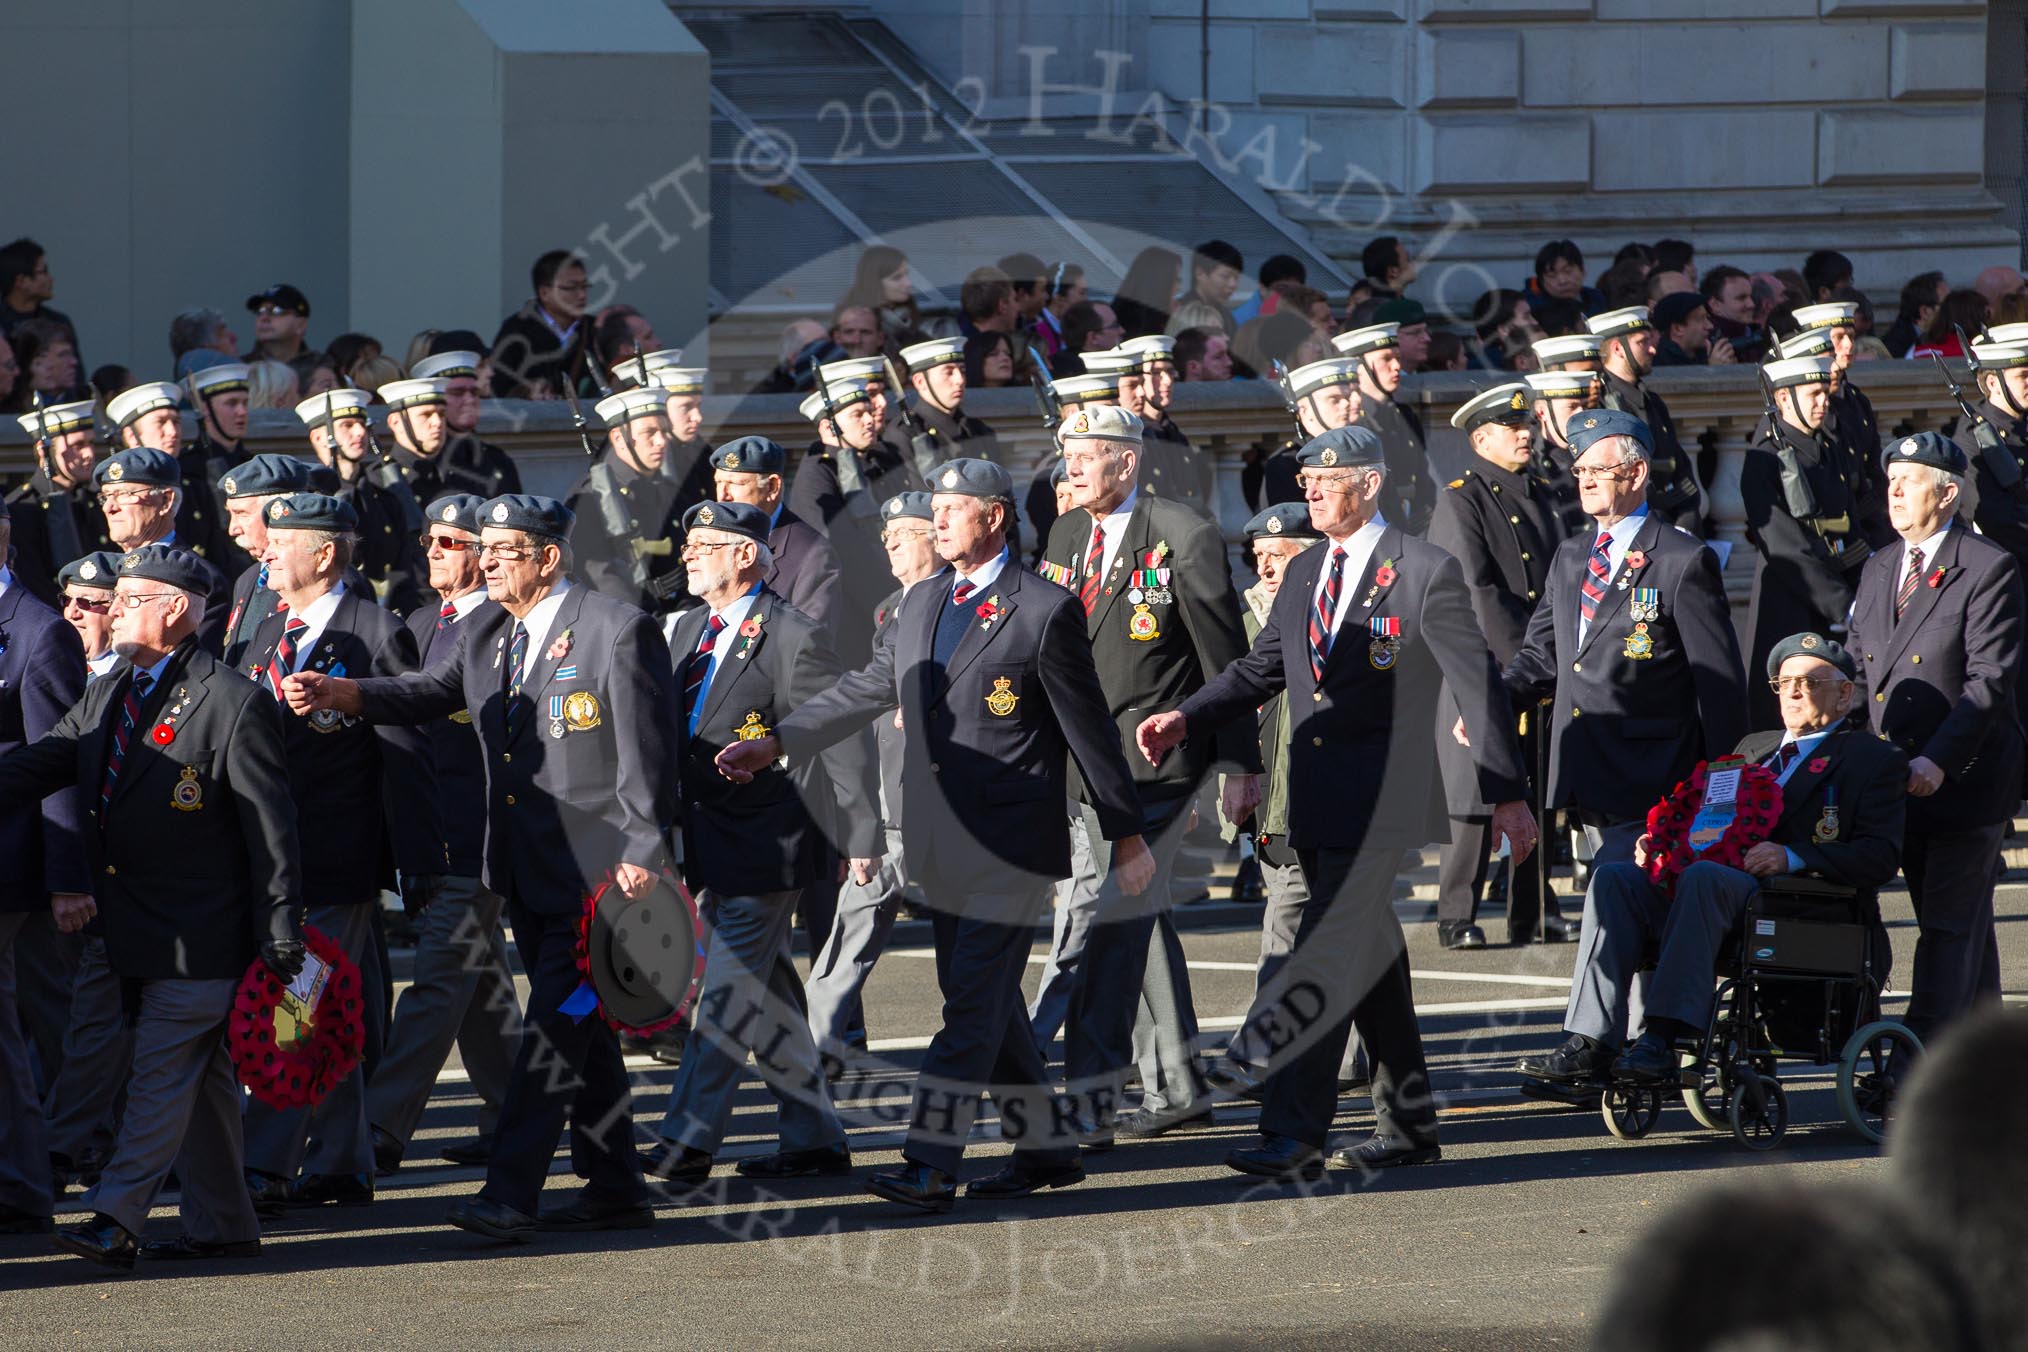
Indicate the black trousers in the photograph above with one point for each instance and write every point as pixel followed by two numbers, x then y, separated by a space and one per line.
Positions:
pixel 1951 875
pixel 1349 969
pixel 1461 881
pixel 568 1068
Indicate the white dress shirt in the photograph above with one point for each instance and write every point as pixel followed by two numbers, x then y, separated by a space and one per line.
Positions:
pixel 1113 526
pixel 1358 547
pixel 314 616
pixel 537 624
pixel 1929 550
pixel 734 615
pixel 1619 539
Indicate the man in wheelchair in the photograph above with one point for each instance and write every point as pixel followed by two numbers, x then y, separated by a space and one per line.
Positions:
pixel 1843 791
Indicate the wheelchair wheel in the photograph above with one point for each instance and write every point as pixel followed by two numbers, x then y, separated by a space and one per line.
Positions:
pixel 1759 1119
pixel 1630 1111
pixel 1863 1093
pixel 1707 1099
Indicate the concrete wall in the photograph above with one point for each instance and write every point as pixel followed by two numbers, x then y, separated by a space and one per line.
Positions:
pixel 401 161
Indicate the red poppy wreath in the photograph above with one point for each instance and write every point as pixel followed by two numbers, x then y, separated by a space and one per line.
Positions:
pixel 584 964
pixel 286 1061
pixel 1677 840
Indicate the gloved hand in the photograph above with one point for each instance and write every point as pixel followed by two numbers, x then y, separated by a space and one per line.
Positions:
pixel 418 890
pixel 282 949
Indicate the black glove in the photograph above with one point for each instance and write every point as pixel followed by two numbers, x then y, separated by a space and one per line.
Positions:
pixel 418 890
pixel 283 949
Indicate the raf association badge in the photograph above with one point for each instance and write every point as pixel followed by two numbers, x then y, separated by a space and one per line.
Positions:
pixel 188 795
pixel 1141 624
pixel 1003 700
pixel 581 711
pixel 753 729
pixel 1640 643
pixel 1385 646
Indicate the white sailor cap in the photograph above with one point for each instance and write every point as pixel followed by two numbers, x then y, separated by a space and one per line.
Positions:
pixel 2000 356
pixel 1805 343
pixel 935 352
pixel 1562 384
pixel 1306 380
pixel 128 405
pixel 1150 349
pixel 1094 387
pixel 628 405
pixel 2014 334
pixel 1829 315
pixel 1103 422
pixel 223 378
pixel 1111 362
pixel 1613 323
pixel 413 393
pixel 1798 371
pixel 319 409
pixel 56 419
pixel 447 366
pixel 660 359
pixel 1372 338
pixel 1565 347
pixel 1507 404
pixel 812 407
pixel 677 379
pixel 853 368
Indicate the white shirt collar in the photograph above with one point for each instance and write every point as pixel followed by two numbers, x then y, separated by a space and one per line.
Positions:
pixel 1113 526
pixel 1619 539
pixel 6 578
pixel 988 573
pixel 103 663
pixel 1358 547
pixel 736 610
pixel 315 616
pixel 540 618
pixel 463 606
pixel 1928 547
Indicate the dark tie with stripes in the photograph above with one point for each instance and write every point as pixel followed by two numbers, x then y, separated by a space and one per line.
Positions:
pixel 130 714
pixel 1321 613
pixel 285 653
pixel 1901 598
pixel 699 665
pixel 1784 756
pixel 1094 563
pixel 1597 578
pixel 517 657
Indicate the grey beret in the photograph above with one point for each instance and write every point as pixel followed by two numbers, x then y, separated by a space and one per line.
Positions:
pixel 973 478
pixel 1811 645
pixel 527 512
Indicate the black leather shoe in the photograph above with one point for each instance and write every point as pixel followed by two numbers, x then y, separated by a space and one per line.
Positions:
pixel 1385 1152
pixel 916 1185
pixel 103 1240
pixel 475 1151
pixel 332 1190
pixel 590 1214
pixel 1460 934
pixel 270 1195
pixel 1579 1058
pixel 1278 1157
pixel 184 1247
pixel 1246 882
pixel 1145 1124
pixel 1649 1060
pixel 1557 930
pixel 824 1162
pixel 387 1153
pixel 17 1222
pixel 679 1164
pixel 1021 1180
pixel 494 1220
pixel 1240 1081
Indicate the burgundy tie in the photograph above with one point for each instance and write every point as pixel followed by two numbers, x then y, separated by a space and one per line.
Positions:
pixel 285 654
pixel 962 592
pixel 1597 579
pixel 1321 613
pixel 130 714
pixel 700 664
pixel 1094 562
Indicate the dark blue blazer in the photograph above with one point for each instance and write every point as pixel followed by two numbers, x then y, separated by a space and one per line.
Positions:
pixel 455 754
pixel 41 676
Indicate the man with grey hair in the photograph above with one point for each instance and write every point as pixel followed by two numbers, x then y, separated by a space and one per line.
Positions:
pixel 1938 620
pixel 141 495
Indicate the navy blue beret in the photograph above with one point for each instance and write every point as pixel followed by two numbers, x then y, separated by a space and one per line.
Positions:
pixel 170 566
pixel 99 570
pixel 907 506
pixel 1811 645
pixel 312 511
pixel 459 511
pixel 974 478
pixel 527 512
pixel 1927 448
pixel 141 465
pixel 265 474
pixel 751 455
pixel 737 518
pixel 1284 520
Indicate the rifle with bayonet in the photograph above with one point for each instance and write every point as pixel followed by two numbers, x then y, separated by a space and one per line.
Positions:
pixel 631 552
pixel 922 442
pixel 1999 461
pixel 1799 496
pixel 851 478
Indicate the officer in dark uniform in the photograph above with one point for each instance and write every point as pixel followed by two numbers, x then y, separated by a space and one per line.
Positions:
pixel 389 556
pixel 204 781
pixel 1851 418
pixel 55 516
pixel 1627 354
pixel 1560 396
pixel 219 394
pixel 936 374
pixel 1409 494
pixel 1567 352
pixel 246 492
pixel 999 698
pixel 1802 491
pixel 147 415
pixel 1500 524
pixel 745 659
pixel 804 571
pixel 627 529
pixel 571 693
pixel 1366 628
pixel 1326 395
pixel 687 461
pixel 1996 446
pixel 1937 625
pixel 140 494
pixel 839 488
pixel 1633 640
pixel 367 799
pixel 466 464
pixel 422 438
pixel 460 990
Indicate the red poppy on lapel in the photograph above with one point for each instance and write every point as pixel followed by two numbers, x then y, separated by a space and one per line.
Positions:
pixel 1819 765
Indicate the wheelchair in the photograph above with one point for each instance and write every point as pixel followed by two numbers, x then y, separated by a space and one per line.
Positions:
pixel 1799 981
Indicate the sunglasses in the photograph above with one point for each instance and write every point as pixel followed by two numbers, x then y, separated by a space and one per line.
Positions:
pixel 450 544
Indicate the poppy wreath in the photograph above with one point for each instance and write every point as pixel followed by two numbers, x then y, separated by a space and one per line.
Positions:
pixel 582 954
pixel 301 1075
pixel 1757 806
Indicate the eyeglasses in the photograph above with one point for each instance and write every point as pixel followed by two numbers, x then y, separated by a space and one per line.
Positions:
pixel 450 544
pixel 1335 481
pixel 1591 473
pixel 701 547
pixel 133 600
pixel 1801 685
pixel 122 498
pixel 272 311
pixel 505 553
pixel 91 605
pixel 894 534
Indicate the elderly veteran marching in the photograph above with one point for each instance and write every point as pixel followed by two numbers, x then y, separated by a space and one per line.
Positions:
pixel 179 759
pixel 1411 489
pixel 744 660
pixel 993 675
pixel 1361 761
pixel 1627 356
pixel 626 528
pixel 570 691
pixel 1322 395
pixel 1499 522
pixel 375 804
pixel 246 492
pixel 141 495
pixel 802 568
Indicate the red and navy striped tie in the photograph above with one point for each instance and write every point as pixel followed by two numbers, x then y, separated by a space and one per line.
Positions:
pixel 699 665
pixel 1598 579
pixel 1908 581
pixel 130 714
pixel 1094 563
pixel 1321 613
pixel 962 592
pixel 285 653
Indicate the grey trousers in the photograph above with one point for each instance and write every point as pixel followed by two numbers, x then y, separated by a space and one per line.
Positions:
pixel 98 1054
pixel 24 1141
pixel 1623 914
pixel 1070 927
pixel 183 1111
pixel 462 992
pixel 859 931
pixel 44 969
pixel 1287 893
pixel 277 1138
pixel 752 1001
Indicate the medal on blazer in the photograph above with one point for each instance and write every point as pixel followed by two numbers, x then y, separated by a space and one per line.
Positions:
pixel 1827 821
pixel 1645 603
pixel 753 729
pixel 1003 701
pixel 581 711
pixel 328 720
pixel 1385 646
pixel 556 716
pixel 188 795
pixel 1640 644
pixel 1141 624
